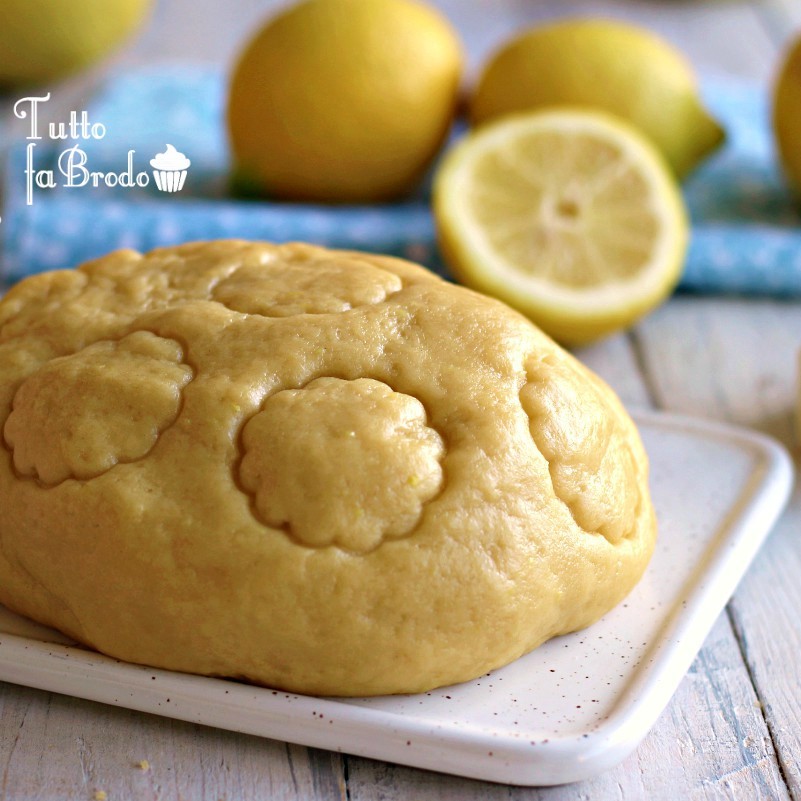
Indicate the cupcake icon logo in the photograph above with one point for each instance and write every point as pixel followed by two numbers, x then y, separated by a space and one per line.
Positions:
pixel 169 169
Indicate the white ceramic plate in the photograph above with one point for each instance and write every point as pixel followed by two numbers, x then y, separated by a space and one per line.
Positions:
pixel 572 708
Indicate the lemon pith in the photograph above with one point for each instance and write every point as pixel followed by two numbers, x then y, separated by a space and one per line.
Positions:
pixel 569 216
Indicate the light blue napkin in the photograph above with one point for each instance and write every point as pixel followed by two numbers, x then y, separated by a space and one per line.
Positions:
pixel 746 232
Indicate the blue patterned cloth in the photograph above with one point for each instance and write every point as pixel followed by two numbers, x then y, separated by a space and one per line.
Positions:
pixel 746 231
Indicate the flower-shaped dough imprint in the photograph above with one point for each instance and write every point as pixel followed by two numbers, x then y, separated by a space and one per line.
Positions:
pixel 79 415
pixel 587 448
pixel 305 286
pixel 366 449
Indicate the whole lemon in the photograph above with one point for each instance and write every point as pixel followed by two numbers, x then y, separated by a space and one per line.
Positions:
pixel 45 39
pixel 344 100
pixel 615 67
pixel 787 113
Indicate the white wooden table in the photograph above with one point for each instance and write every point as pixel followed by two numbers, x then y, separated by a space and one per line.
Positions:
pixel 733 729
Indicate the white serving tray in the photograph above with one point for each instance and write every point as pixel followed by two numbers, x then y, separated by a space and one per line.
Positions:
pixel 574 707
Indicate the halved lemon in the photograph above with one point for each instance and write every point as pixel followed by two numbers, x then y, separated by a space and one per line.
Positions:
pixel 570 216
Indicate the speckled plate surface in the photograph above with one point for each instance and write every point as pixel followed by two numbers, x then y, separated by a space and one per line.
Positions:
pixel 570 709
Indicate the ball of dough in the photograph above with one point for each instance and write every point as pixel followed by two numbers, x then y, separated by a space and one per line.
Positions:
pixel 321 471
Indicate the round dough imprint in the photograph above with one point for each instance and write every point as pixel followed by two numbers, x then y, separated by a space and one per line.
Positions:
pixel 346 463
pixel 79 415
pixel 305 286
pixel 588 452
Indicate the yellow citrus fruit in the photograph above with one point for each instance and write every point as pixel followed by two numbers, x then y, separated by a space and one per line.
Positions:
pixel 344 100
pixel 611 66
pixel 45 39
pixel 570 216
pixel 787 113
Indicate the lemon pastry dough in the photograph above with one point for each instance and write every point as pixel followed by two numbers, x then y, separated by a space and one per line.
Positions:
pixel 327 472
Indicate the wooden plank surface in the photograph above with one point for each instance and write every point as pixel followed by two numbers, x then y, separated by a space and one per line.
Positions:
pixel 55 747
pixel 731 731
pixel 746 372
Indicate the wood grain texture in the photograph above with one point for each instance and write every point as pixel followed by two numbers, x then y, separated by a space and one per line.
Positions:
pixel 765 613
pixel 725 358
pixel 55 747
pixel 737 360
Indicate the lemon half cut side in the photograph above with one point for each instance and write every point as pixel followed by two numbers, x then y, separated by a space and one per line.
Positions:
pixel 570 216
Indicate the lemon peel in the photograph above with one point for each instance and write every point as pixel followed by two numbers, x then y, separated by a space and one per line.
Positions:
pixel 608 65
pixel 787 113
pixel 343 100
